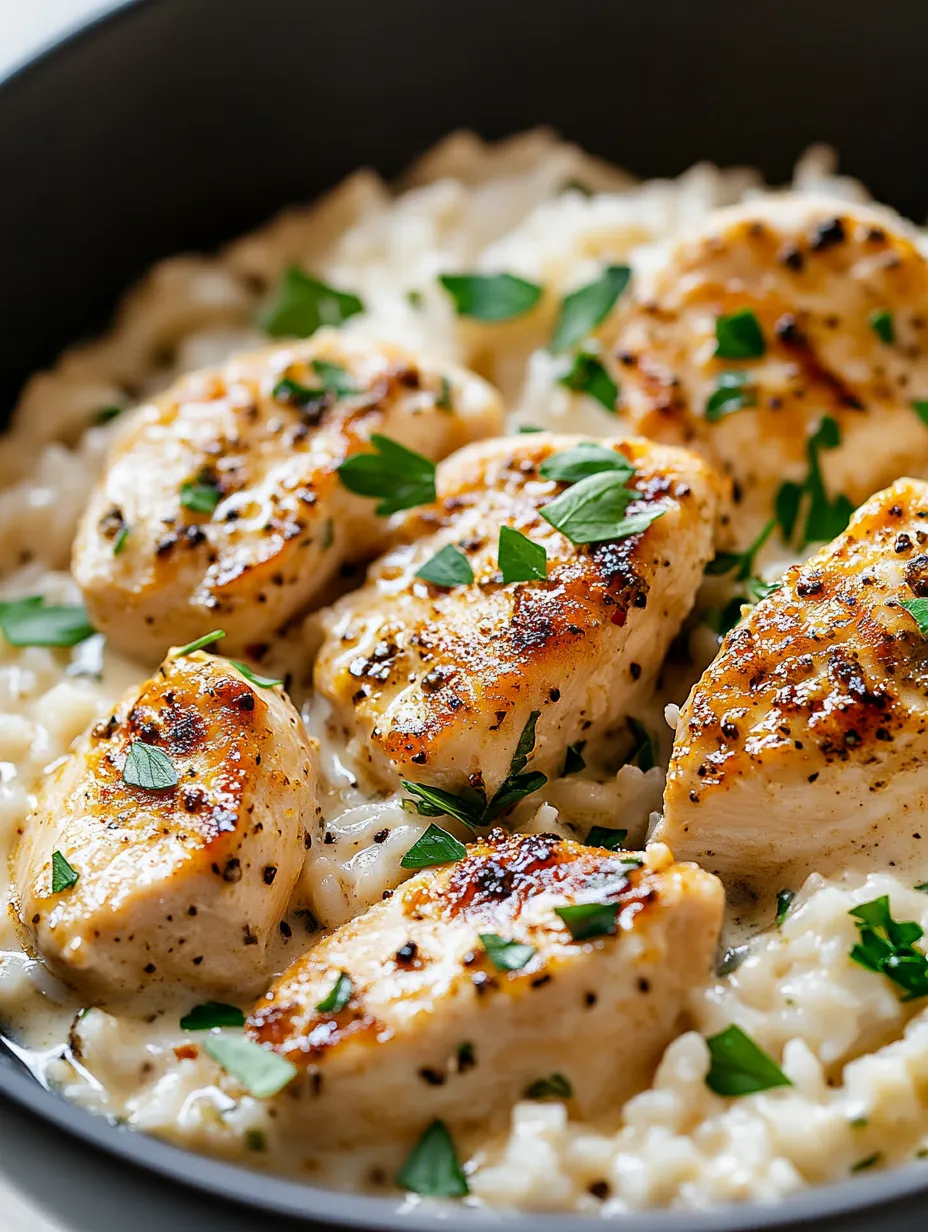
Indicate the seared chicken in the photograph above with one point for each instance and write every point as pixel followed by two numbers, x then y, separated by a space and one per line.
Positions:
pixel 186 882
pixel 220 505
pixel 432 1027
pixel 806 740
pixel 840 293
pixel 437 684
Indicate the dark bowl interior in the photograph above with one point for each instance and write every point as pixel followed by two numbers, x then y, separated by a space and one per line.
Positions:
pixel 178 124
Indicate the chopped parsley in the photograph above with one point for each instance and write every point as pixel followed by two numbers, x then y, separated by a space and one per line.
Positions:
pixel 436 846
pixel 444 399
pixel 415 299
pixel 918 610
pixel 734 391
pixel 555 1086
pixel 506 955
pixel 587 375
pixel 106 414
pixel 869 1162
pixel 206 640
pixel 307 398
pixel 920 408
pixel 302 305
pixel 739 1066
pixel 449 567
pixel 261 1072
pixel 739 336
pixel 881 322
pixel 148 767
pixel 200 495
pixel 573 760
pixel 922 887
pixel 520 560
pixel 784 902
pixel 525 429
pixel 887 946
pixel 63 875
pixel 255 1140
pixel 122 537
pixel 824 518
pixel 212 1014
pixel 740 563
pixel 334 377
pixel 432 1167
pixel 30 622
pixel 643 753
pixel 263 682
pixel 593 510
pixel 338 996
pixel 491 297
pixel 395 475
pixel 584 309
pixel 586 920
pixel 602 836
pixel 583 460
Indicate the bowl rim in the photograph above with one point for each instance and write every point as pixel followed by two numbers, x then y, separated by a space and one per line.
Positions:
pixel 271 1193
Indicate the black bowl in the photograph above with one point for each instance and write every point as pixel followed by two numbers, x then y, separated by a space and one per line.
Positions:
pixel 178 124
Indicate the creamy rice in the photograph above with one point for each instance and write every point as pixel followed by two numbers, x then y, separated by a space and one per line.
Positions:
pixel 857 1056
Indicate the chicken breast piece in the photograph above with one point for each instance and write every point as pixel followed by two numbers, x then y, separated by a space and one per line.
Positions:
pixel 839 293
pixel 182 882
pixel 220 505
pixel 806 740
pixel 432 1027
pixel 437 684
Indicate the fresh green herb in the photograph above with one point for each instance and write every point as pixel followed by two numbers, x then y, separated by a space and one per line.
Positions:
pixel 733 392
pixel 432 1167
pixel 918 610
pixel 587 375
pixel 859 1122
pixel 491 297
pixel 436 846
pixel 444 399
pixel 593 510
pixel 338 997
pixel 206 640
pixel 261 1072
pixel 724 620
pixel 758 589
pixel 212 1014
pixel 309 399
pixel 148 767
pixel 921 410
pixel 263 682
pixel 887 946
pixel 327 538
pixel 555 1086
pixel 106 414
pixel 466 1056
pixel 784 902
pixel 520 560
pixel 415 299
pixel 922 887
pixel 573 761
pixel 584 309
pixel 583 460
pixel 739 1066
pixel 577 186
pixel 863 1164
pixel 470 805
pixel 525 429
pixel 334 378
pixel 585 920
pixel 400 478
pixel 63 875
pixel 881 322
pixel 449 567
pixel 200 496
pixel 122 537
pixel 29 622
pixel 732 959
pixel 824 518
pixel 741 564
pixel 922 1152
pixel 506 955
pixel 302 305
pixel 643 754
pixel 255 1140
pixel 739 336
pixel 602 836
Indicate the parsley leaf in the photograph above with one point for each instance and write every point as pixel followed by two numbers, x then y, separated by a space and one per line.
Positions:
pixel 740 563
pixel 432 1167
pixel 148 767
pixel 739 336
pixel 491 297
pixel 643 755
pixel 784 902
pixel 573 760
pixel 106 414
pixel 122 537
pixel 593 510
pixel 400 478
pixel 444 399
pixel 739 1066
pixel 602 836
pixel 63 875
pixel 302 304
pixel 436 846
pixel 887 946
pixel 261 1072
pixel 338 997
pixel 584 309
pixel 587 375
pixel 263 682
pixel 201 495
pixel 206 640
pixel 922 886
pixel 506 955
pixel 869 1162
pixel 881 322
pixel 449 567
pixel 824 518
pixel 583 460
pixel 212 1014
pixel 29 622
pixel 312 402
pixel 520 560
pixel 334 377
pixel 918 610
pixel 555 1086
pixel 921 410
pixel 733 392
pixel 467 806
pixel 585 920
